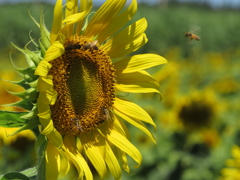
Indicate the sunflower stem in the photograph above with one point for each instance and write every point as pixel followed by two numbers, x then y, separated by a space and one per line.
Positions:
pixel 41 175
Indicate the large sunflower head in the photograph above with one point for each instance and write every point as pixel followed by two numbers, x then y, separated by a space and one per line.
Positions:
pixel 75 78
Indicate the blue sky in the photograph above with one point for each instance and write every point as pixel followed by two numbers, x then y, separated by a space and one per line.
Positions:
pixel 213 3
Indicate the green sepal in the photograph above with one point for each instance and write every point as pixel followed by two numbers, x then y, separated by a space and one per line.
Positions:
pixel 38 25
pixel 11 119
pixel 14 176
pixel 31 124
pixel 34 84
pixel 34 55
pixel 22 104
pixel 27 73
pixel 32 114
pixel 45 35
pixel 86 23
pixel 43 50
pixel 21 83
pixel 25 52
pixel 29 95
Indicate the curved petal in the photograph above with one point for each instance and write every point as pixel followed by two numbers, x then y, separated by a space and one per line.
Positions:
pixel 43 68
pixel 140 82
pixel 138 62
pixel 137 123
pixel 123 158
pixel 132 46
pixel 54 51
pixel 103 17
pixel 127 35
pixel 139 87
pixel 133 111
pixel 71 9
pixel 57 21
pixel 78 160
pixel 118 22
pixel 85 5
pixel 122 143
pixel 44 115
pixel 74 160
pixel 111 161
pixel 120 127
pixel 52 162
pixel 94 154
pixel 136 78
pixel 44 83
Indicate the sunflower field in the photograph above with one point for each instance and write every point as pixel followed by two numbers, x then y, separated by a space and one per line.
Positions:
pixel 196 115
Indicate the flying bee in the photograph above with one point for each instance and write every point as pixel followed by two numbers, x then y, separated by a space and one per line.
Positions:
pixel 191 36
pixel 91 45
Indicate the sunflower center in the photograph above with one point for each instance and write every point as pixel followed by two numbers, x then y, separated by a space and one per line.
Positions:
pixel 84 79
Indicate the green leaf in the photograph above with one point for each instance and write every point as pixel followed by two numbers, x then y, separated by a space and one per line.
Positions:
pixel 14 176
pixel 30 172
pixel 11 119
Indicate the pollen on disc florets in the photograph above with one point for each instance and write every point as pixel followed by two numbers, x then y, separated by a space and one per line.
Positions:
pixel 84 79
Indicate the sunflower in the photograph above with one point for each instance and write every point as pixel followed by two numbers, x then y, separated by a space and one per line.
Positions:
pixel 73 86
pixel 232 172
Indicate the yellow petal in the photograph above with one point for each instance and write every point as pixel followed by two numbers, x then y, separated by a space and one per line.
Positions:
pixel 137 123
pixel 71 8
pixel 120 127
pixel 44 114
pixel 76 157
pixel 123 158
pixel 65 161
pixel 111 161
pixel 139 62
pixel 137 78
pixel 103 17
pixel 130 39
pixel 122 143
pixel 43 68
pixel 133 111
pixel 57 21
pixel 140 87
pixel 74 160
pixel 93 153
pixel 54 51
pixel 128 46
pixel 85 5
pixel 74 18
pixel 52 162
pixel 44 83
pixel 118 22
pixel 140 82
